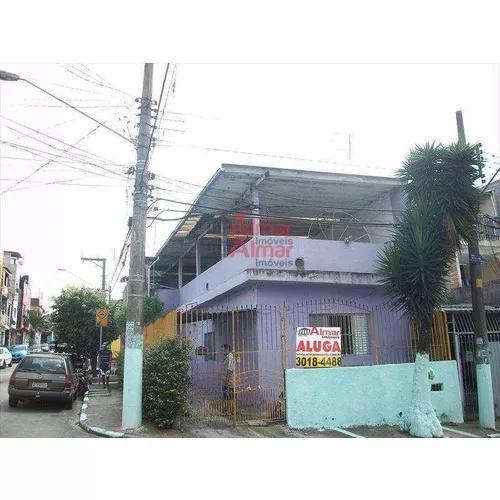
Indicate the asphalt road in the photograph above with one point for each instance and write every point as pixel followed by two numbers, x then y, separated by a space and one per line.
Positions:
pixel 36 419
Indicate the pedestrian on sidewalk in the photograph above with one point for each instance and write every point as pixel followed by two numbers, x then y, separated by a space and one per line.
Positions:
pixel 105 358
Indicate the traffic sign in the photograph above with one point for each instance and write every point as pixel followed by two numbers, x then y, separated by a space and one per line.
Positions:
pixel 101 317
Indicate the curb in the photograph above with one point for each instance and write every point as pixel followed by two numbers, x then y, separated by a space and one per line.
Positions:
pixel 98 431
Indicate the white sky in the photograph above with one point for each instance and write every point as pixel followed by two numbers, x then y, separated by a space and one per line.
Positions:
pixel 304 111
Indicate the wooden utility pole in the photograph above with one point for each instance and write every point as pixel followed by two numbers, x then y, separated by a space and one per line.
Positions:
pixel 482 352
pixel 132 381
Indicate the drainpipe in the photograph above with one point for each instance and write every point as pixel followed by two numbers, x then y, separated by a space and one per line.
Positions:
pixel 149 274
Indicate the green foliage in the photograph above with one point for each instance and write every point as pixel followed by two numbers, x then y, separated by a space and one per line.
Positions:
pixel 442 178
pixel 166 381
pixel 414 266
pixel 120 316
pixel 36 320
pixel 443 206
pixel 120 361
pixel 73 320
pixel 152 309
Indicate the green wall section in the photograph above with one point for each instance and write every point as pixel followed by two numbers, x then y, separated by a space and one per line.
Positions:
pixel 365 395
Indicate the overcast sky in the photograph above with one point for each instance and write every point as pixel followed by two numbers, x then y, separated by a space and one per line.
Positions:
pixel 301 111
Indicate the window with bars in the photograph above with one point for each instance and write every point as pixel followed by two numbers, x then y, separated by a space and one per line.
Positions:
pixel 209 345
pixel 353 330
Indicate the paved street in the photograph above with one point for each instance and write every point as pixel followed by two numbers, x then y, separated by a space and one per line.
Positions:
pixel 35 419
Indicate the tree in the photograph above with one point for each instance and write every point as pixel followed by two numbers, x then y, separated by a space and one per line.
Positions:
pixel 36 320
pixel 74 322
pixel 152 309
pixel 442 209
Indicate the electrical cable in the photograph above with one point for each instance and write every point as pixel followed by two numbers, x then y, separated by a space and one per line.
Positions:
pixel 77 110
pixel 101 158
pixel 95 82
pixel 50 161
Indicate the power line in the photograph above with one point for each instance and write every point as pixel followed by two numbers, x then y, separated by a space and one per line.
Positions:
pixel 124 246
pixel 95 82
pixel 50 161
pixel 268 155
pixel 36 131
pixel 53 159
pixel 77 110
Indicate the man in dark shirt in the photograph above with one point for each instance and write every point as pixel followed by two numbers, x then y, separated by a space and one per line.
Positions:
pixel 105 358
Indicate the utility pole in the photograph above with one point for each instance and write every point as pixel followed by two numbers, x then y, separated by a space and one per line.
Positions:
pixel 103 283
pixel 132 380
pixel 482 352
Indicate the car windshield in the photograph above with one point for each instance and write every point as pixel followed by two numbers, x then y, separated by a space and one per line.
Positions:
pixel 43 365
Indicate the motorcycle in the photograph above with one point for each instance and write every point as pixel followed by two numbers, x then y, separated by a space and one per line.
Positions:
pixel 83 382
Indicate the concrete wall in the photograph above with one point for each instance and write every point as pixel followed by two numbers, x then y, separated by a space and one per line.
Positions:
pixel 319 255
pixel 365 395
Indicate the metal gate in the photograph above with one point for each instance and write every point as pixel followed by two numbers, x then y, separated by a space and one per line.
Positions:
pixel 256 336
pixel 462 329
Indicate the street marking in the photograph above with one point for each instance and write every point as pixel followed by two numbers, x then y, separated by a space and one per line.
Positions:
pixel 343 431
pixel 460 432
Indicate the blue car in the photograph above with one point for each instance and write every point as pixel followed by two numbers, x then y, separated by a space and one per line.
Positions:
pixel 18 352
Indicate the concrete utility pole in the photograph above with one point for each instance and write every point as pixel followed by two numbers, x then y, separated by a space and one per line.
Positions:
pixel 103 283
pixel 482 352
pixel 132 381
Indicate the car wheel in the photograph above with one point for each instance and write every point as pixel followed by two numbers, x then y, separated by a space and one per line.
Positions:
pixel 12 403
pixel 68 405
pixel 4 365
pixel 10 364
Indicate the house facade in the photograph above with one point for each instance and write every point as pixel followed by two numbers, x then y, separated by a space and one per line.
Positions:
pixel 263 251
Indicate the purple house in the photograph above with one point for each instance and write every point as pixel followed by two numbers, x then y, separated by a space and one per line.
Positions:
pixel 263 251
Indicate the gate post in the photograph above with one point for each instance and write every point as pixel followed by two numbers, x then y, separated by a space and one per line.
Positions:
pixel 283 311
pixel 232 401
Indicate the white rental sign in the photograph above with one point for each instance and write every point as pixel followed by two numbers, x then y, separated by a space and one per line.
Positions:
pixel 318 347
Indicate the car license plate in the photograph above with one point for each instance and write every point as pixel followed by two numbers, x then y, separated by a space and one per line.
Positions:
pixel 39 385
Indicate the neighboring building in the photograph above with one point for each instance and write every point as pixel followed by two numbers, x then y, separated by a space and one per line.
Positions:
pixel 42 336
pixel 489 248
pixel 12 262
pixel 5 277
pixel 24 304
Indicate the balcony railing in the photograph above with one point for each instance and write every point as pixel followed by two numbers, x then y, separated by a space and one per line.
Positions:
pixel 488 228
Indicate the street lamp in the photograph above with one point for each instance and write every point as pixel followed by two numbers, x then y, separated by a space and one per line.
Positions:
pixel 12 77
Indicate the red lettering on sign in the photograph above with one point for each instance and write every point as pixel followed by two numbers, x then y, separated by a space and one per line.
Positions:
pixel 300 346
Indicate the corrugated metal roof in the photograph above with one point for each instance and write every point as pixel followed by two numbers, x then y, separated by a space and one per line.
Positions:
pixel 294 193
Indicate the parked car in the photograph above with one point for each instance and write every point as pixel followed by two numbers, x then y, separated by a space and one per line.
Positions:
pixel 5 357
pixel 43 377
pixel 34 348
pixel 19 352
pixel 45 347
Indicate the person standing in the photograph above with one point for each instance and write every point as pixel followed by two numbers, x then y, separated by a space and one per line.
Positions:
pixel 228 378
pixel 105 358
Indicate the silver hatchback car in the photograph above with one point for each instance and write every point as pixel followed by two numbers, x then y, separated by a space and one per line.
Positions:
pixel 43 377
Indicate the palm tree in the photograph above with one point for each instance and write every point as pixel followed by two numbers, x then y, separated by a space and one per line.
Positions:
pixel 442 209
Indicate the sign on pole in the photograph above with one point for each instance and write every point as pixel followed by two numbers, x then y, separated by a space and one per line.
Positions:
pixel 318 347
pixel 101 317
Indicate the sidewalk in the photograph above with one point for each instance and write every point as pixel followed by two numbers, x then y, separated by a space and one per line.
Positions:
pixel 103 411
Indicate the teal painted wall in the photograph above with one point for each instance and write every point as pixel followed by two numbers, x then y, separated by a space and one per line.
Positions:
pixel 365 395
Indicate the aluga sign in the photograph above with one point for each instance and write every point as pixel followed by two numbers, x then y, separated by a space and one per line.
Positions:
pixel 318 347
